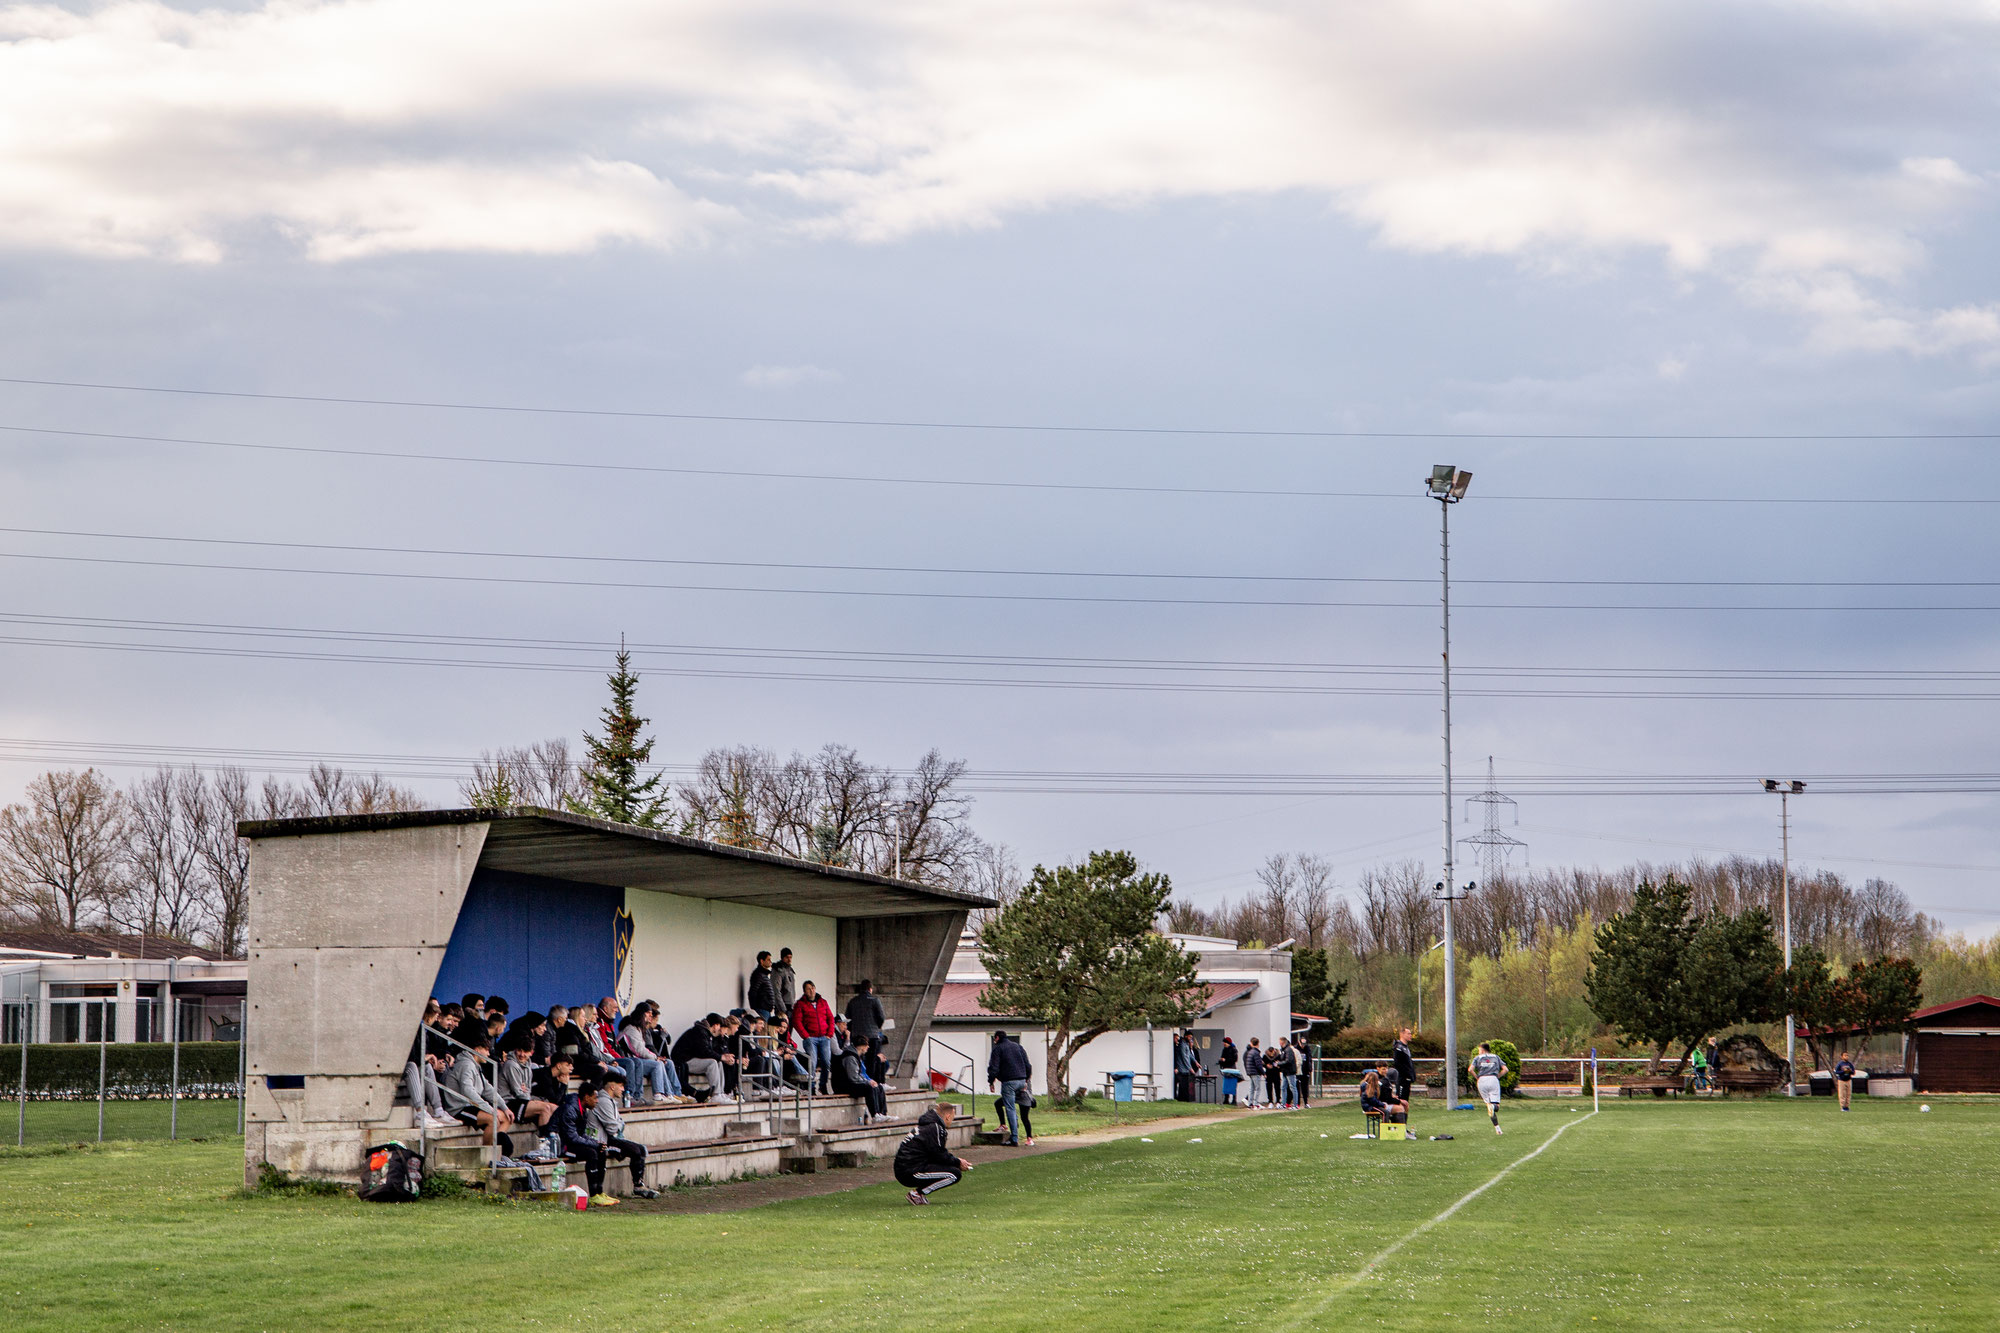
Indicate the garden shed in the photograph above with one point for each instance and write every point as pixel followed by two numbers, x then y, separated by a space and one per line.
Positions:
pixel 1956 1046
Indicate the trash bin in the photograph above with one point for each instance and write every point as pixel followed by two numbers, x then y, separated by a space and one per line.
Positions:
pixel 1822 1083
pixel 1230 1078
pixel 1121 1085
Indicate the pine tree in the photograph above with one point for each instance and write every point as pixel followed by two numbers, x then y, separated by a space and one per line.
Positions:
pixel 613 789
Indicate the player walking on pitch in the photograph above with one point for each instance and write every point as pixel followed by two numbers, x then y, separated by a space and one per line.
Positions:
pixel 1487 1069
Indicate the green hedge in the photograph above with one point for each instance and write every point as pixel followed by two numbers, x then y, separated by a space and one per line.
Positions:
pixel 141 1069
pixel 1380 1043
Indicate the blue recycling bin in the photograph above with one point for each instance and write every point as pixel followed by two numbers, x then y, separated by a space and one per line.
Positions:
pixel 1230 1078
pixel 1121 1085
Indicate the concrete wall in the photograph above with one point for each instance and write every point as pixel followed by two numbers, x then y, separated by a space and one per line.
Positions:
pixel 694 955
pixel 345 935
pixel 906 957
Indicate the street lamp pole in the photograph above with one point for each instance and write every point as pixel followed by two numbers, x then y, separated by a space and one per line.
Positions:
pixel 1787 789
pixel 1447 486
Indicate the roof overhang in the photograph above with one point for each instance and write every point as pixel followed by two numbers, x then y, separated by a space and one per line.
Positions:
pixel 557 845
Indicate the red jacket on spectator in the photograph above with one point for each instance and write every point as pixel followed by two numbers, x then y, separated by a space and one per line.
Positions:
pixel 814 1017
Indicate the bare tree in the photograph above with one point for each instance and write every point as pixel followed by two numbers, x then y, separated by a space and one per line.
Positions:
pixel 1315 900
pixel 227 799
pixel 60 849
pixel 163 890
pixel 332 790
pixel 544 775
pixel 725 800
pixel 1276 904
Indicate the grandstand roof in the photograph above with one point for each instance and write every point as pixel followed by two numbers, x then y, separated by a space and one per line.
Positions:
pixel 559 845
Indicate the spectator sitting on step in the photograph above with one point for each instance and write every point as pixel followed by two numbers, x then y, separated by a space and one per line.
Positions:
pixel 791 1054
pixel 645 1075
pixel 497 1004
pixel 527 1030
pixel 850 1078
pixel 761 994
pixel 420 1077
pixel 566 1038
pixel 699 1053
pixel 469 1096
pixel 878 1061
pixel 551 1081
pixel 812 1019
pixel 598 1041
pixel 607 1119
pixel 545 1041
pixel 496 1030
pixel 656 1041
pixel 582 1138
pixel 472 1009
pixel 517 1086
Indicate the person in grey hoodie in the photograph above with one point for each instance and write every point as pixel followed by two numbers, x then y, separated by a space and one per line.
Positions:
pixel 465 1089
pixel 785 981
pixel 610 1125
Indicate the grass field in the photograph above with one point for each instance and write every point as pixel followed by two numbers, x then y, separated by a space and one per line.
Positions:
pixel 76 1122
pixel 1760 1214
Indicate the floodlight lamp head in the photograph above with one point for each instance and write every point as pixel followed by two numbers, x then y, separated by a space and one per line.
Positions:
pixel 1797 786
pixel 1458 485
pixel 1441 480
pixel 1770 784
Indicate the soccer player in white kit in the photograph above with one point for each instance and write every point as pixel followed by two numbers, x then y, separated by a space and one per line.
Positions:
pixel 1487 1069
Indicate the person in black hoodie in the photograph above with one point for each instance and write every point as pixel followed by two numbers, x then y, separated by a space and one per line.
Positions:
pixel 850 1078
pixel 1406 1066
pixel 1007 1069
pixel 762 992
pixel 925 1163
pixel 865 1016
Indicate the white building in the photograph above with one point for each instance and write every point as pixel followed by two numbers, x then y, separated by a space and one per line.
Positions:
pixel 82 986
pixel 1250 995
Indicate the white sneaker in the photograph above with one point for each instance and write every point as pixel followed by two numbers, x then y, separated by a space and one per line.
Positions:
pixel 1498 1130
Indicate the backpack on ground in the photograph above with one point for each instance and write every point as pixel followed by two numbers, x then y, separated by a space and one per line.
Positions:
pixel 393 1174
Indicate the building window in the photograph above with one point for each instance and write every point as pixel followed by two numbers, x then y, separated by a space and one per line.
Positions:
pixel 82 1020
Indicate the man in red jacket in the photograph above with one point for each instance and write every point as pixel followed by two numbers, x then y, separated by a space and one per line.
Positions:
pixel 812 1018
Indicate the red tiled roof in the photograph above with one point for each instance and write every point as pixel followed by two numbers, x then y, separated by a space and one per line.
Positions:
pixel 960 999
pixel 101 944
pixel 1947 1007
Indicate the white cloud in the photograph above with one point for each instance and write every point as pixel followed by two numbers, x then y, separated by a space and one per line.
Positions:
pixel 1796 156
pixel 786 377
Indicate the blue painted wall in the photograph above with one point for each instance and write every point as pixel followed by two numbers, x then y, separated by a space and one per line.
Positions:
pixel 536 941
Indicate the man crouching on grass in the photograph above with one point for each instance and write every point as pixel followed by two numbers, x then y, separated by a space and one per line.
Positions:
pixel 923 1162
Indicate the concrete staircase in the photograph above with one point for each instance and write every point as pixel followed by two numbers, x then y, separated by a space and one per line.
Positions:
pixel 701 1143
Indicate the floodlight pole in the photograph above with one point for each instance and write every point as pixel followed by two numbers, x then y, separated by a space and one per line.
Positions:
pixel 1449 487
pixel 1785 791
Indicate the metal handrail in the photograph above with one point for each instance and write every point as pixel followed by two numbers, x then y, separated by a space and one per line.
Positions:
pixel 971 1067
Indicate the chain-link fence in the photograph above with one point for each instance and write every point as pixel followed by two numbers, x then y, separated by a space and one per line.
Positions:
pixel 93 1068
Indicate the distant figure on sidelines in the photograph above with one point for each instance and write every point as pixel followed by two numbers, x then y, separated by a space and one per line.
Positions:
pixel 924 1161
pixel 1406 1065
pixel 1843 1081
pixel 1378 1098
pixel 1487 1069
pixel 1253 1074
pixel 1700 1070
pixel 1007 1069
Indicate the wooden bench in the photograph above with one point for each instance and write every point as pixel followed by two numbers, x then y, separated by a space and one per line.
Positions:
pixel 1660 1085
pixel 1756 1081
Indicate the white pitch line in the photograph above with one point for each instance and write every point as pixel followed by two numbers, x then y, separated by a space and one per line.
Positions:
pixel 1368 1268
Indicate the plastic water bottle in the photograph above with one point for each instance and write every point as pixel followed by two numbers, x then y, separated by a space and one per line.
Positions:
pixel 561 1174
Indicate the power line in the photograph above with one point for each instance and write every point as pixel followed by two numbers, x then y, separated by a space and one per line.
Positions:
pixel 995 426
pixel 935 595
pixel 1286 493
pixel 964 571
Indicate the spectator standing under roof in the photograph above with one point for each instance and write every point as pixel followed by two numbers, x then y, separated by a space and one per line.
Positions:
pixel 785 982
pixel 812 1017
pixel 1008 1070
pixel 761 995
pixel 865 1016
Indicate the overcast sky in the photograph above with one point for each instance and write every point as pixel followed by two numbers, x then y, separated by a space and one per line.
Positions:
pixel 1510 237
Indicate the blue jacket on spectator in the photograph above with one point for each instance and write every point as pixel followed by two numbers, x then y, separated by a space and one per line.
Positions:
pixel 1008 1061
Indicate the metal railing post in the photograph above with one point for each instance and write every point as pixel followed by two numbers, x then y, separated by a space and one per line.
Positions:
pixel 104 1013
pixel 27 1032
pixel 174 1085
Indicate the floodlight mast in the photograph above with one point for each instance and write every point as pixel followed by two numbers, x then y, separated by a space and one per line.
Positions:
pixel 1447 485
pixel 1787 789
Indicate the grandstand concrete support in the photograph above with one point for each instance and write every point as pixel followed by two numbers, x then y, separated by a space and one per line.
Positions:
pixel 346 931
pixel 906 957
